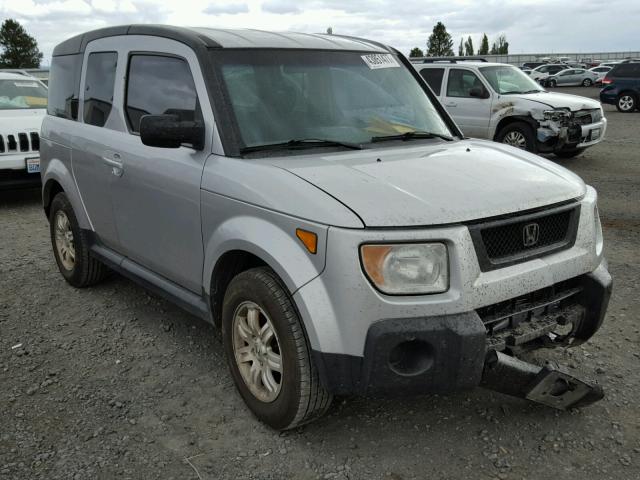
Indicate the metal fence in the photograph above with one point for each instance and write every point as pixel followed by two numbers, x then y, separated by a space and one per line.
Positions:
pixel 520 58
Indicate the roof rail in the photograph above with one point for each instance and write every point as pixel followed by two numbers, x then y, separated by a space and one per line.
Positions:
pixel 452 59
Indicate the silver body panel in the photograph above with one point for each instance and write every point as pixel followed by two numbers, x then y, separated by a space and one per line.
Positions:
pixel 168 215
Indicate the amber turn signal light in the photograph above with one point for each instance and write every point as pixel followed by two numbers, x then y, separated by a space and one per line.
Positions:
pixel 309 239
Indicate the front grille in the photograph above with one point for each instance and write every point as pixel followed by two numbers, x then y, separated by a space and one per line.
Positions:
pixel 21 142
pixel 503 242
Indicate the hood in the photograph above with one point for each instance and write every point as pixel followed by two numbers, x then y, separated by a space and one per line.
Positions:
pixel 18 120
pixel 559 100
pixel 436 184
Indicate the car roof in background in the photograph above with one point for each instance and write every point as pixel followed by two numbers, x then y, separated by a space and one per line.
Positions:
pixel 224 38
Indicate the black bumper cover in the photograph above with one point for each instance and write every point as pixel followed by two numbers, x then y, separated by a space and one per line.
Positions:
pixel 456 345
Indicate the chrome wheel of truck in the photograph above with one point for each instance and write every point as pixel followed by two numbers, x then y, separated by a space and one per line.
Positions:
pixel 63 239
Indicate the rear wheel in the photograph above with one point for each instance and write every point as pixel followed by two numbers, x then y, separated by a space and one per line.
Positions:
pixel 268 353
pixel 552 83
pixel 569 153
pixel 587 82
pixel 71 246
pixel 626 103
pixel 519 135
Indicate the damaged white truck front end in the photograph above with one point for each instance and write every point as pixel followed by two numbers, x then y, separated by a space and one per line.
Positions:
pixel 498 102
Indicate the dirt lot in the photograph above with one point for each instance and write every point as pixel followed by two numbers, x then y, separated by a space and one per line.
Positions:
pixel 112 382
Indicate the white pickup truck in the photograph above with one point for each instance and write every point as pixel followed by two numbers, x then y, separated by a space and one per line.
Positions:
pixel 23 103
pixel 499 102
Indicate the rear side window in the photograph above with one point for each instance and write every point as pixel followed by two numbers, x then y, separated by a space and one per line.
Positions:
pixel 626 70
pixel 159 85
pixel 64 85
pixel 433 76
pixel 98 87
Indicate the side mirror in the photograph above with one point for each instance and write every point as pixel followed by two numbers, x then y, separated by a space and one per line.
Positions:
pixel 168 131
pixel 478 92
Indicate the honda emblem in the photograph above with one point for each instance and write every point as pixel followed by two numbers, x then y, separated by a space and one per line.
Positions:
pixel 530 234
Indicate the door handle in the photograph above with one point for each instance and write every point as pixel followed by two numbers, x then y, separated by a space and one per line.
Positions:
pixel 451 104
pixel 115 163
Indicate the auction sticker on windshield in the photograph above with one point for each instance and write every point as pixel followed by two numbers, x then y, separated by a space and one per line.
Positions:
pixel 380 60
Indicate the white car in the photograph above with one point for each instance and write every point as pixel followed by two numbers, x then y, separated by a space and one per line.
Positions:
pixel 601 71
pixel 23 104
pixel 499 102
pixel 539 74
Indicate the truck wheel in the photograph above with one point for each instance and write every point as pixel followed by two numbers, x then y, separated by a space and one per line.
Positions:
pixel 71 246
pixel 519 135
pixel 626 103
pixel 268 353
pixel 569 153
pixel 587 82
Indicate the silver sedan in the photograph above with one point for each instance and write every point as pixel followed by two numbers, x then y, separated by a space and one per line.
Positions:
pixel 572 76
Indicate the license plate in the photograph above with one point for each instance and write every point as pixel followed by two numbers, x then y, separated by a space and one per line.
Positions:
pixel 33 165
pixel 595 134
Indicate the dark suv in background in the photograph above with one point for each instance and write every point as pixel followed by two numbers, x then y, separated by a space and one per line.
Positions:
pixel 622 87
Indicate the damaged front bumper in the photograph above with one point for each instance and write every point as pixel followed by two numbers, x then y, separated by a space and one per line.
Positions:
pixel 457 352
pixel 565 130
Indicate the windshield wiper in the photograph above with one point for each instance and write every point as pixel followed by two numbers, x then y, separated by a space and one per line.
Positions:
pixel 302 143
pixel 415 134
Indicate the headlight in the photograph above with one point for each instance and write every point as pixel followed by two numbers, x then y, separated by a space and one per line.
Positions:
pixel 407 269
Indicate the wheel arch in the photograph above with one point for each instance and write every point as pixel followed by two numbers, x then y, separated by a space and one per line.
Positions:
pixel 515 119
pixel 57 178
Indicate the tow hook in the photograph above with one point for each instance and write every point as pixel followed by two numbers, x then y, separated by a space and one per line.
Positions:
pixel 546 385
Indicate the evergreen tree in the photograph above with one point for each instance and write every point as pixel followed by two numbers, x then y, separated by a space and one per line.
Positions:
pixel 440 43
pixel 416 52
pixel 484 45
pixel 461 48
pixel 19 49
pixel 468 48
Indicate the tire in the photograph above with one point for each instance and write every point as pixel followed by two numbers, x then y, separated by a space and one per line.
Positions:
pixel 626 102
pixel 569 153
pixel 519 135
pixel 296 396
pixel 587 82
pixel 75 262
pixel 552 84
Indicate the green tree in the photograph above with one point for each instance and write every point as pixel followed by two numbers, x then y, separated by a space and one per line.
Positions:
pixel 416 52
pixel 440 43
pixel 500 46
pixel 468 48
pixel 330 31
pixel 461 48
pixel 484 45
pixel 19 49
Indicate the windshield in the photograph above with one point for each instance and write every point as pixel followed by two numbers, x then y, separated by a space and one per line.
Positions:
pixel 19 94
pixel 505 80
pixel 350 97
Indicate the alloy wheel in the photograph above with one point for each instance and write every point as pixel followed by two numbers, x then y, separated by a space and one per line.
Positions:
pixel 257 351
pixel 64 240
pixel 515 139
pixel 626 103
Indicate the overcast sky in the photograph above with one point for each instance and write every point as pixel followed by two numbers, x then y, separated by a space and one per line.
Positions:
pixel 530 26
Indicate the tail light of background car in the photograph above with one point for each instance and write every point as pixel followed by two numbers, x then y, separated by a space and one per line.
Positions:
pixel 606 81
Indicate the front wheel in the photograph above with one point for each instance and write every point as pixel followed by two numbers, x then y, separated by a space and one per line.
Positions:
pixel 569 153
pixel 519 135
pixel 587 82
pixel 552 84
pixel 268 353
pixel 626 103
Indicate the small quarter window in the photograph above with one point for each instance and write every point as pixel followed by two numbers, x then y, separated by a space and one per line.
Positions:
pixel 64 84
pixel 99 84
pixel 433 77
pixel 158 85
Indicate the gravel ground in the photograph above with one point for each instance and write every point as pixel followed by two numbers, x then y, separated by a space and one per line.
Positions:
pixel 112 382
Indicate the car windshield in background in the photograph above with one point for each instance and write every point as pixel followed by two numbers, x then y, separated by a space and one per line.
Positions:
pixel 330 96
pixel 19 94
pixel 507 80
